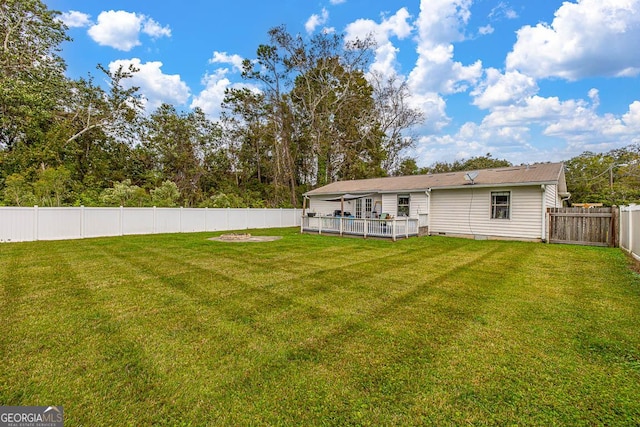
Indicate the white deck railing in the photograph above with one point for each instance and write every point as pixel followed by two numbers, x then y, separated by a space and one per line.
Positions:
pixel 390 228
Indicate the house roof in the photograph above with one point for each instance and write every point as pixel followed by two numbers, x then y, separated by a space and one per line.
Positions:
pixel 539 173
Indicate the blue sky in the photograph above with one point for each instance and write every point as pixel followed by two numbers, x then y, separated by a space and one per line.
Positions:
pixel 524 80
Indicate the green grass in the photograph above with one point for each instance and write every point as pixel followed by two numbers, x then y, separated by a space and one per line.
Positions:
pixel 317 330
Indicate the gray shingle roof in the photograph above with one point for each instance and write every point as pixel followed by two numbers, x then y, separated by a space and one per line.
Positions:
pixel 539 173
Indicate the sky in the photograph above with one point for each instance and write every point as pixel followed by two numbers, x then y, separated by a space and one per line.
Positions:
pixel 527 81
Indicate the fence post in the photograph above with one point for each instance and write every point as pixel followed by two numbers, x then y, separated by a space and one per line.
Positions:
pixel 548 225
pixel 120 225
pixel 35 222
pixel 81 221
pixel 614 226
pixel 630 230
pixel 155 227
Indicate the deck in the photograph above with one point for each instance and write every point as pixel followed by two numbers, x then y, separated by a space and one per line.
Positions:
pixel 396 228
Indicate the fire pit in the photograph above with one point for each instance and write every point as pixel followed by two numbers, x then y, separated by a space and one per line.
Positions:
pixel 244 237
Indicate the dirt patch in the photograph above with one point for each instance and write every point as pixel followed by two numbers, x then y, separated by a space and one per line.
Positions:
pixel 240 237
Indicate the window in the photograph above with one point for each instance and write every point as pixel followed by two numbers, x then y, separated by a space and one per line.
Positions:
pixel 367 208
pixel 500 204
pixel 403 205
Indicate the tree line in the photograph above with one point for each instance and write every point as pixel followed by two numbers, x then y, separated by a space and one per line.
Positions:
pixel 310 114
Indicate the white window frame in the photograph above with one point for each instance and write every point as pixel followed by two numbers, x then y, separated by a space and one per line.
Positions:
pixel 499 207
pixel 407 205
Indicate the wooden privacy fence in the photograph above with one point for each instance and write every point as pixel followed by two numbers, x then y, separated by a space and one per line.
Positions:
pixel 583 226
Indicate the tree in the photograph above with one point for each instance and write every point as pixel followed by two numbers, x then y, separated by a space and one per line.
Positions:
pixel 179 144
pixel 17 191
pixel 395 117
pixel 124 194
pixel 116 112
pixel 474 163
pixel 271 69
pixel 32 82
pixel 52 186
pixel 407 167
pixel 247 135
pixel 334 108
pixel 166 195
pixel 611 178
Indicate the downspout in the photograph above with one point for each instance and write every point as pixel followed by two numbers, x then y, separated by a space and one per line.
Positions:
pixel 543 232
pixel 428 193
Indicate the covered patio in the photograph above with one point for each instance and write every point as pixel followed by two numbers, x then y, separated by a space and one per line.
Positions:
pixel 365 224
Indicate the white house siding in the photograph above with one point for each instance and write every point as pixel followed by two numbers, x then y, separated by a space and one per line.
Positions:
pixel 468 212
pixel 552 198
pixel 322 207
pixel 418 204
pixel 390 204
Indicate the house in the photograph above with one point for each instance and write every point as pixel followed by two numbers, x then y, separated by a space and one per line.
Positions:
pixel 499 203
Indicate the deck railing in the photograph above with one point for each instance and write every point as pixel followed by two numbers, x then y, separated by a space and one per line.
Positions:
pixel 389 228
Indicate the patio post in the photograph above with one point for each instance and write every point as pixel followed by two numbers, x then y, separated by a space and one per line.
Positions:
pixel 393 229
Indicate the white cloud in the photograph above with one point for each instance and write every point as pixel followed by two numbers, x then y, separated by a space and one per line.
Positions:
pixel 396 25
pixel 315 21
pixel 121 29
pixel 487 29
pixel 155 86
pixel 75 19
pixel 440 23
pixel 631 119
pixel 155 30
pixel 586 39
pixel 443 21
pixel 473 140
pixel 433 107
pixel 334 2
pixel 211 97
pixel 223 58
pixel 502 89
pixel 561 129
pixel 502 10
pixel 117 29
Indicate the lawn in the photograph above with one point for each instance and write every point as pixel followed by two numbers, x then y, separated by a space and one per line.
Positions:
pixel 317 330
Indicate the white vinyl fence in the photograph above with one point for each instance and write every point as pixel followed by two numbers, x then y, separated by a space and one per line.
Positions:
pixel 630 229
pixel 19 224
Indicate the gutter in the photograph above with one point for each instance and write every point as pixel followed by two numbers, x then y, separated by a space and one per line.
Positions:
pixel 435 188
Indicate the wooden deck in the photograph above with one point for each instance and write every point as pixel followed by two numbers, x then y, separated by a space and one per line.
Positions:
pixel 396 228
